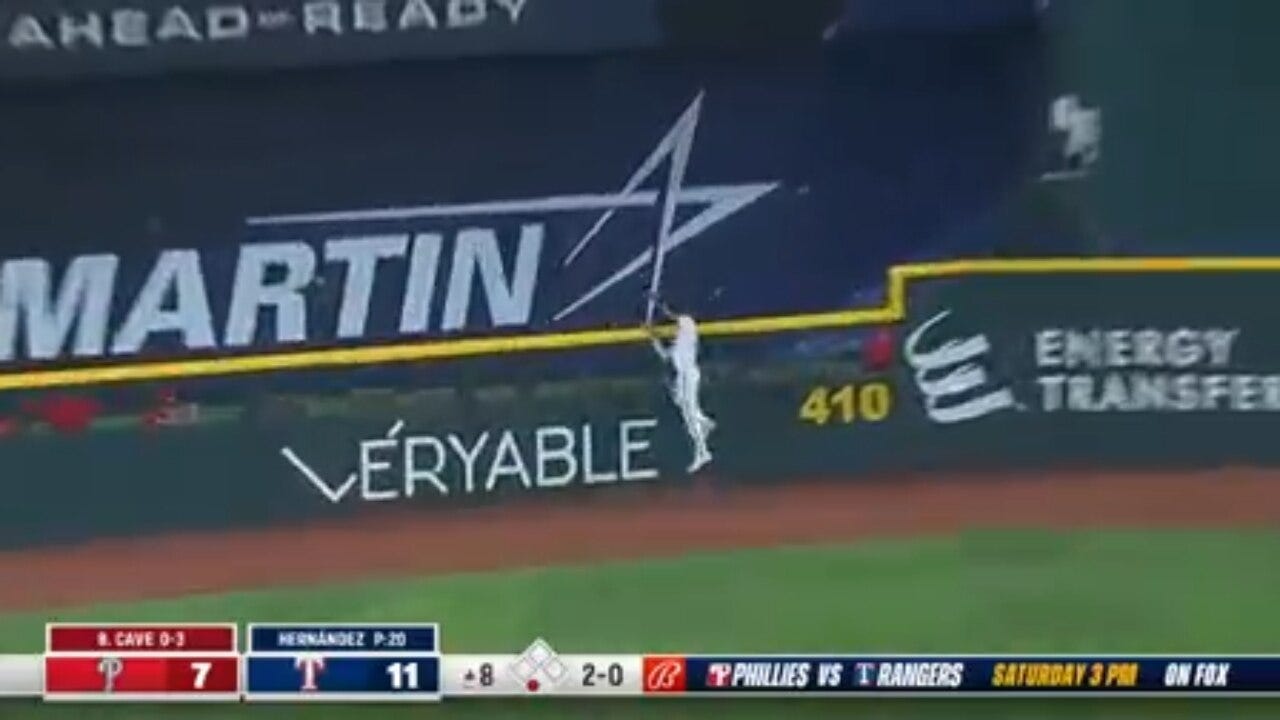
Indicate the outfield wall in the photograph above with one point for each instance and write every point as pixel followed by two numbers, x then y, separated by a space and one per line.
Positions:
pixel 992 365
pixel 404 204
pixel 425 347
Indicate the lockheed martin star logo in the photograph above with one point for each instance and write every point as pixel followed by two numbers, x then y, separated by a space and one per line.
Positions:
pixel 716 203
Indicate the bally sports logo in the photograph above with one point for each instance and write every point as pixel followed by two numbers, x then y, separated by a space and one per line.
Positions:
pixel 664 674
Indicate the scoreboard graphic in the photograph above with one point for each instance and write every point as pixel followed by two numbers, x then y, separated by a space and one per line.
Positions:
pixel 343 663
pixel 136 662
pixel 404 662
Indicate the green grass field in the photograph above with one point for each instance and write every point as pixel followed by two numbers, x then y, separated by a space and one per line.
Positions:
pixel 1027 591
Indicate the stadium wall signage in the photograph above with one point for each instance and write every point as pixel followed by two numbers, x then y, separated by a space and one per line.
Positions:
pixel 1167 365
pixel 96 37
pixel 495 221
pixel 47 39
pixel 1002 364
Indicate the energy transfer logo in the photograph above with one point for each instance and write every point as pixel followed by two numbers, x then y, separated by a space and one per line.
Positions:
pixel 951 376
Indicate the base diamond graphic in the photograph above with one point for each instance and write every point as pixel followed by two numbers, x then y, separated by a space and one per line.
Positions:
pixel 539 666
pixel 539 652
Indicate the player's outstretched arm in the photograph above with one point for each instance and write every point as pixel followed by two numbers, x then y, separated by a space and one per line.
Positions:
pixel 660 350
pixel 656 342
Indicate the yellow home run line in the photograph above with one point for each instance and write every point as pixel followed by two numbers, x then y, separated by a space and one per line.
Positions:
pixel 893 310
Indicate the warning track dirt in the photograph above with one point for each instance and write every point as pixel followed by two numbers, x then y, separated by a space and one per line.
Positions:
pixel 620 527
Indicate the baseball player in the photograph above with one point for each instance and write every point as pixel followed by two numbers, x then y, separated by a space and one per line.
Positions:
pixel 682 355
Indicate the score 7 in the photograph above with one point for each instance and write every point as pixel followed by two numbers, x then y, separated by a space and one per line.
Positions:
pixel 203 675
pixel 201 669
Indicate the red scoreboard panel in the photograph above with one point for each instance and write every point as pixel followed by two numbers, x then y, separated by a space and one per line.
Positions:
pixel 170 663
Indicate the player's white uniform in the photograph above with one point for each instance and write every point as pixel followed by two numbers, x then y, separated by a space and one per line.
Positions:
pixel 682 354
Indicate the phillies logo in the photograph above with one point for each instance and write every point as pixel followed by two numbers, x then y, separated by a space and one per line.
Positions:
pixel 718 675
pixel 311 666
pixel 110 669
pixel 664 674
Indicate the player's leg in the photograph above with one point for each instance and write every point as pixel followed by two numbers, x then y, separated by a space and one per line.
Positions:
pixel 693 391
pixel 687 405
pixel 677 390
pixel 707 422
pixel 701 454
pixel 695 423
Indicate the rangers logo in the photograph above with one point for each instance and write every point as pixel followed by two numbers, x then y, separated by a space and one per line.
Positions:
pixel 310 666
